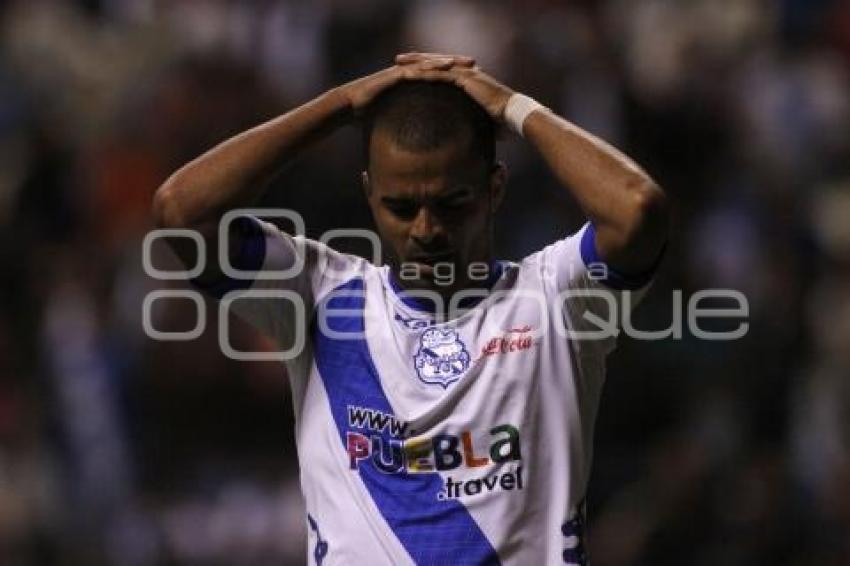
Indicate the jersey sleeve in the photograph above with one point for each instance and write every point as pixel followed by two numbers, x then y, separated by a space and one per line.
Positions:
pixel 591 295
pixel 280 279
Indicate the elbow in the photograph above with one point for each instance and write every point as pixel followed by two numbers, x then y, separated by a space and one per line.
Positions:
pixel 650 215
pixel 652 204
pixel 166 209
pixel 635 247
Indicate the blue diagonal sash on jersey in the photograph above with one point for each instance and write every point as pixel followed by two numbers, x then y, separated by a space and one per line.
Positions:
pixel 432 531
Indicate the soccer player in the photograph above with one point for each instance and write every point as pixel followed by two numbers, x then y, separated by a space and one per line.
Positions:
pixel 444 402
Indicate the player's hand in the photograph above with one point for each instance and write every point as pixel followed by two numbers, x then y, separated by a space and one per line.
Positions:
pixel 461 70
pixel 440 61
pixel 411 66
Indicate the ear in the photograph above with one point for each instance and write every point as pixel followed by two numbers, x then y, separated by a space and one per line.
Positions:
pixel 367 185
pixel 498 184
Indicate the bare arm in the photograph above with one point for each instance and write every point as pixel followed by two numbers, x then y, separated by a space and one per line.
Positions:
pixel 627 208
pixel 234 173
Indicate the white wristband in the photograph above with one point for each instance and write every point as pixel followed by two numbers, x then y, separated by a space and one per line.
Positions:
pixel 517 109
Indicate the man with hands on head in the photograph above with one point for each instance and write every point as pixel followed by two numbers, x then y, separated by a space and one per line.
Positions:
pixel 441 422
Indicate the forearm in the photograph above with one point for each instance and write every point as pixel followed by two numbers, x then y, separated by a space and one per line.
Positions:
pixel 236 171
pixel 626 206
pixel 233 173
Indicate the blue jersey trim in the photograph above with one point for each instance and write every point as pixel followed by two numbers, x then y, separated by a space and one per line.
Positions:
pixel 613 278
pixel 250 256
pixel 432 530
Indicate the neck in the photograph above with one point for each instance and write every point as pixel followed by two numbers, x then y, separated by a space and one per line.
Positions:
pixel 445 300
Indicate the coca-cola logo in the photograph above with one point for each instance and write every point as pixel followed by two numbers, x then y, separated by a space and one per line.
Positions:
pixel 513 340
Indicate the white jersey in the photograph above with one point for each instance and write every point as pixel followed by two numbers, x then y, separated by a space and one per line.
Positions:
pixel 460 442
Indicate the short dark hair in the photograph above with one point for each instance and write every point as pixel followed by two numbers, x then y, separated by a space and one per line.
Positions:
pixel 422 116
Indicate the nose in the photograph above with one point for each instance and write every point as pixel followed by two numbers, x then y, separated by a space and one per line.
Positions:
pixel 426 227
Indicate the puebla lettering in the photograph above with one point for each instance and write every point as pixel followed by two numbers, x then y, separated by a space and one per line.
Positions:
pixel 437 453
pixel 383 447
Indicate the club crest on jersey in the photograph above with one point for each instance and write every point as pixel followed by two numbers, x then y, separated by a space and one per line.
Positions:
pixel 441 358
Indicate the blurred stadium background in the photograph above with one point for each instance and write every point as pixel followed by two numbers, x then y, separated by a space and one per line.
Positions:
pixel 116 449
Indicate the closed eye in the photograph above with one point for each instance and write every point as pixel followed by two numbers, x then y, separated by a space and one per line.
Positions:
pixel 456 201
pixel 401 207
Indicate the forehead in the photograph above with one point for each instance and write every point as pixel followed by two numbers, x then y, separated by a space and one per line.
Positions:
pixel 393 168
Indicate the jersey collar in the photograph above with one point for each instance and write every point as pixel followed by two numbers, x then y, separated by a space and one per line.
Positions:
pixel 422 304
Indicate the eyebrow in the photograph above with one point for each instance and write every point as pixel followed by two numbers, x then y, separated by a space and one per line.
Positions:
pixel 461 191
pixel 457 192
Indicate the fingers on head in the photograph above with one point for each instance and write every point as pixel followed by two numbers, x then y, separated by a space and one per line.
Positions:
pixel 420 74
pixel 416 57
pixel 437 63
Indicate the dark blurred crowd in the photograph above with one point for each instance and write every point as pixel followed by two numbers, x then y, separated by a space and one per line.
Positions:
pixel 119 449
